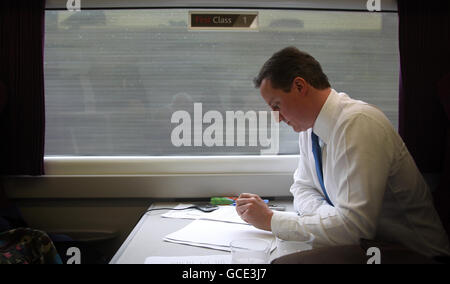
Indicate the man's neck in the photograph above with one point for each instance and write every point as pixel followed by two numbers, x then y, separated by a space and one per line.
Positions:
pixel 320 97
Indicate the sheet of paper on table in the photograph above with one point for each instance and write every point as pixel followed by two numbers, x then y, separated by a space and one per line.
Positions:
pixel 207 259
pixel 217 235
pixel 226 213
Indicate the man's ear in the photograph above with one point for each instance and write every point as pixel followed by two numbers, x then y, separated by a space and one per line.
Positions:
pixel 299 83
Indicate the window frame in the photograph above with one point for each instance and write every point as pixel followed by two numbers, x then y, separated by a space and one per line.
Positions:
pixel 337 5
pixel 168 165
pixel 84 166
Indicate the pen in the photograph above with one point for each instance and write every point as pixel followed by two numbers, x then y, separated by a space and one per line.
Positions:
pixel 265 201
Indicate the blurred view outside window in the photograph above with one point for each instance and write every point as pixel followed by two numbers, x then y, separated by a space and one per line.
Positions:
pixel 113 78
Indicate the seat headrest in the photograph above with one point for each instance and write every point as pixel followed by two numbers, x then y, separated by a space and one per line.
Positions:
pixel 444 92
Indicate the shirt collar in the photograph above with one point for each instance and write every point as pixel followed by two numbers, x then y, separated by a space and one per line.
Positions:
pixel 326 119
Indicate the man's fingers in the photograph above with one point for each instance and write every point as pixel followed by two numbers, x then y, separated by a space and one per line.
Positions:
pixel 241 209
pixel 253 210
pixel 243 212
pixel 248 198
pixel 244 217
pixel 247 195
pixel 242 201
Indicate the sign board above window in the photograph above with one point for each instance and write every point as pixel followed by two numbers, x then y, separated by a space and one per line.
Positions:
pixel 227 20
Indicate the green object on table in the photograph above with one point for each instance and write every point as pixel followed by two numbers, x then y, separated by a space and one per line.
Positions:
pixel 222 200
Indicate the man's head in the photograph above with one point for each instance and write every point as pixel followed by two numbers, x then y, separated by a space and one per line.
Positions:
pixel 288 63
pixel 292 82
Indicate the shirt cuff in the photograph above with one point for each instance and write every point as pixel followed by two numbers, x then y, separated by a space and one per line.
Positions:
pixel 282 223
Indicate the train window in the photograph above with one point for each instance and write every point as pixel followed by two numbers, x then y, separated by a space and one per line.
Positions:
pixel 115 78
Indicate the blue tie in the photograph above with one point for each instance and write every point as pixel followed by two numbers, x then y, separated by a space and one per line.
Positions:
pixel 317 152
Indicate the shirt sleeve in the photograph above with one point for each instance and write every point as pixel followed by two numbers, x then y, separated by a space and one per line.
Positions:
pixel 307 198
pixel 360 170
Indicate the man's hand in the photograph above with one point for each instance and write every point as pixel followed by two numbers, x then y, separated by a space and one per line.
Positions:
pixel 253 210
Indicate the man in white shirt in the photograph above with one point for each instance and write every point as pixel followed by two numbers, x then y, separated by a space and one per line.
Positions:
pixel 355 178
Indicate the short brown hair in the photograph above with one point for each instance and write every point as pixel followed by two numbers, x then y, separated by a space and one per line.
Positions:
pixel 289 63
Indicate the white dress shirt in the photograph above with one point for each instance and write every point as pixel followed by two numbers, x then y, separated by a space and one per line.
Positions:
pixel 371 179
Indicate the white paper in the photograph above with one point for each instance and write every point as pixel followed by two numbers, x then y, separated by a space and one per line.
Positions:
pixel 203 245
pixel 225 213
pixel 184 214
pixel 208 259
pixel 217 235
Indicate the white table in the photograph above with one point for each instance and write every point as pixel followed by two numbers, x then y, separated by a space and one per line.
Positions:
pixel 146 239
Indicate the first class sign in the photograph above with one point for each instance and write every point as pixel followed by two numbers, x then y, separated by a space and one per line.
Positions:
pixel 223 20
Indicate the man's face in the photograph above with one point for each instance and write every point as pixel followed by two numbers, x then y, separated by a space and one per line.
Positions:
pixel 292 105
